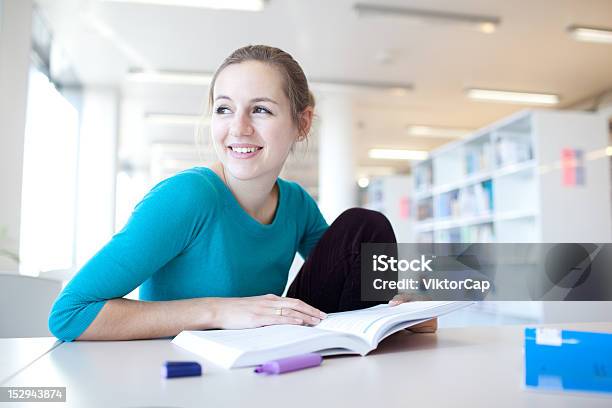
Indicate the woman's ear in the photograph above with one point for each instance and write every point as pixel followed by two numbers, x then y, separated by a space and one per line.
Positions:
pixel 305 122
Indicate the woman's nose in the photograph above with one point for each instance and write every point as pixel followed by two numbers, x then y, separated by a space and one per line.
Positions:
pixel 241 125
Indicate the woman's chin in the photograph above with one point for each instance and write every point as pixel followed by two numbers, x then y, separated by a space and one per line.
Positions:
pixel 243 171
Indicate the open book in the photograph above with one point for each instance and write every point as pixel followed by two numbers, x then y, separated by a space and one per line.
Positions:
pixel 354 332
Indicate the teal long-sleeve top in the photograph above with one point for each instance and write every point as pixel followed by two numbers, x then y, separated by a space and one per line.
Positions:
pixel 187 238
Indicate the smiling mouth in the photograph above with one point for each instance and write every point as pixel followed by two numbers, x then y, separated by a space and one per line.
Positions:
pixel 243 150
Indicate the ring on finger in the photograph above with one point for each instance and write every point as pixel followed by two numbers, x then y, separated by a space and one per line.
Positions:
pixel 278 311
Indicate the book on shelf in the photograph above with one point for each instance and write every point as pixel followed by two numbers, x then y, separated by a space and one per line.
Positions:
pixel 472 200
pixel 425 209
pixel 477 158
pixel 423 176
pixel 354 332
pixel 511 150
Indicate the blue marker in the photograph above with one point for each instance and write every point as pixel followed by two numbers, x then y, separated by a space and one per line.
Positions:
pixel 174 369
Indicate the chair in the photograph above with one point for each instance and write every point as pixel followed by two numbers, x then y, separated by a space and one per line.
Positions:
pixel 25 302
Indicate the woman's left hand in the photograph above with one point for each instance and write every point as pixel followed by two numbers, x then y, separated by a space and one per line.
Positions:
pixel 430 326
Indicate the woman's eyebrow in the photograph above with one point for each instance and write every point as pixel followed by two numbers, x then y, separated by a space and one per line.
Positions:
pixel 264 99
pixel 254 100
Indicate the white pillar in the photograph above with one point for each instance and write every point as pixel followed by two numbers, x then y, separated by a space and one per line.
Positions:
pixel 97 172
pixel 337 188
pixel 15 45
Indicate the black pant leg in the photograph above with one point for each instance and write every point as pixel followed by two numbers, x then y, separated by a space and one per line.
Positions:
pixel 330 278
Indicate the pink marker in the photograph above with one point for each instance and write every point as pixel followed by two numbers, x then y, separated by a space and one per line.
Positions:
pixel 285 365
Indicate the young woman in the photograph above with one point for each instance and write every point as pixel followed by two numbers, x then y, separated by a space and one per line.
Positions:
pixel 212 247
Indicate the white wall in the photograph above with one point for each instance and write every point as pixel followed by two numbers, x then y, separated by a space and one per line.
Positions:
pixel 563 312
pixel 15 32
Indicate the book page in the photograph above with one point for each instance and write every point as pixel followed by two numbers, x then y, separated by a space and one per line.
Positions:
pixel 262 338
pixel 366 322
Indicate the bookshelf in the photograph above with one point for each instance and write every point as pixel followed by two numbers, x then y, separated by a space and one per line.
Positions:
pixel 389 195
pixel 536 176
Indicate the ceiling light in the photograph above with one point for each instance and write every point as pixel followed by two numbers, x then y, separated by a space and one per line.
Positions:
pixel 591 34
pixel 441 132
pixel 169 77
pixel 609 150
pixel 485 24
pixel 512 97
pixel 487 28
pixel 394 88
pixel 174 119
pixel 204 79
pixel 243 5
pixel 398 91
pixel 397 154
pixel 363 182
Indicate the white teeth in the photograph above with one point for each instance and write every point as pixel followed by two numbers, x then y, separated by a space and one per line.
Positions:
pixel 244 149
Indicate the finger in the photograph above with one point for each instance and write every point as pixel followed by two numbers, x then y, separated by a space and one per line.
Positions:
pixel 299 315
pixel 272 310
pixel 268 320
pixel 396 300
pixel 296 304
pixel 401 298
pixel 429 326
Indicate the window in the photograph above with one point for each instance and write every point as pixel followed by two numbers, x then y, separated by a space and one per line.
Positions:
pixel 49 179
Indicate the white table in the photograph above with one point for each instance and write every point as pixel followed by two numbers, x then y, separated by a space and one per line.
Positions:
pixel 15 354
pixel 471 367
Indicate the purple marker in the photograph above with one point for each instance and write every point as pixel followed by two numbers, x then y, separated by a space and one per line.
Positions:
pixel 285 365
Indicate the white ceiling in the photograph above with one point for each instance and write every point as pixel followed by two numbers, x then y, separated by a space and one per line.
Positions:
pixel 530 51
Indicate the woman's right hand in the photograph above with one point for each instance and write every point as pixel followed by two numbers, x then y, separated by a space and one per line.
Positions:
pixel 265 310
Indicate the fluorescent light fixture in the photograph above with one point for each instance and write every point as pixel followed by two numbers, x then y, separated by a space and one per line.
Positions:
pixel 328 84
pixel 484 24
pixel 441 132
pixel 512 97
pixel 169 77
pixel 591 34
pixel 204 79
pixel 599 154
pixel 487 27
pixel 397 154
pixel 243 5
pixel 398 91
pixel 174 119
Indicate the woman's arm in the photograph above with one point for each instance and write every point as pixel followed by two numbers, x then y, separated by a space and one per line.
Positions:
pixel 125 319
pixel 162 225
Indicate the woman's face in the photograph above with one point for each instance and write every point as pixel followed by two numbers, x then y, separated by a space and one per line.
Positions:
pixel 252 129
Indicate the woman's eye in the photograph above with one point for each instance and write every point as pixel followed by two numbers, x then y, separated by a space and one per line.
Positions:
pixel 221 110
pixel 261 109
